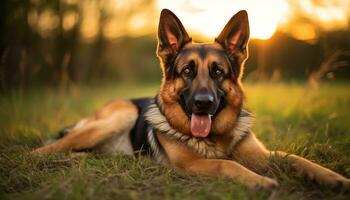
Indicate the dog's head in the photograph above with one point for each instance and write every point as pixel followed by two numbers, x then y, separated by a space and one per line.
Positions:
pixel 201 92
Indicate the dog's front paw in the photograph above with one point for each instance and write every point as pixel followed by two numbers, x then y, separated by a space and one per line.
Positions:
pixel 336 182
pixel 329 178
pixel 268 183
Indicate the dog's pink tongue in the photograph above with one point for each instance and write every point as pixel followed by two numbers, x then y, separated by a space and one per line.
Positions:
pixel 200 125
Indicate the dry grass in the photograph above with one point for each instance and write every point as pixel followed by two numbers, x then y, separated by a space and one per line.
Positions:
pixel 314 124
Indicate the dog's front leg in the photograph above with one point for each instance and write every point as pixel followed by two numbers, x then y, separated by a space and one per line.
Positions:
pixel 314 171
pixel 226 168
pixel 183 159
pixel 252 154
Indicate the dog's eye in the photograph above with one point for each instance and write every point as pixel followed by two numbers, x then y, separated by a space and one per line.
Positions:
pixel 216 70
pixel 187 71
pixel 219 72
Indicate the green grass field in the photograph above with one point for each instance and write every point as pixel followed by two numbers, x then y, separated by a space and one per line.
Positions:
pixel 290 117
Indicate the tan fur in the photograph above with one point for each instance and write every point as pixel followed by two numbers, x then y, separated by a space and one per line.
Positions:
pixel 185 160
pixel 113 120
pixel 252 153
pixel 172 109
pixel 223 121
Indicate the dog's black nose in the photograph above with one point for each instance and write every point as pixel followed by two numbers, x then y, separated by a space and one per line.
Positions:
pixel 203 100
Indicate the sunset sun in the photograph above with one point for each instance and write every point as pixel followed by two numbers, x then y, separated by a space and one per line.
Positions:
pixel 207 18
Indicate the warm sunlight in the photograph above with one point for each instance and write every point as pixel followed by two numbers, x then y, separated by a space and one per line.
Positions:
pixel 207 17
pixel 328 14
pixel 302 19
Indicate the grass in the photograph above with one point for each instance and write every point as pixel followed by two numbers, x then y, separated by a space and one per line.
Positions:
pixel 313 124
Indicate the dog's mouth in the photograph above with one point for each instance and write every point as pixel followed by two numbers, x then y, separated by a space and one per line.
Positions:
pixel 201 122
pixel 200 125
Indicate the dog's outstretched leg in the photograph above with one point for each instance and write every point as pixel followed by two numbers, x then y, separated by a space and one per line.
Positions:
pixel 314 171
pixel 252 154
pixel 185 160
pixel 115 118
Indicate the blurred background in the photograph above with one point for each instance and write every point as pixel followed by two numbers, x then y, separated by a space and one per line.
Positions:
pixel 70 42
pixel 62 59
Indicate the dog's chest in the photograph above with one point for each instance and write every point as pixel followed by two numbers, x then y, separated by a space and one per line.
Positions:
pixel 206 147
pixel 212 147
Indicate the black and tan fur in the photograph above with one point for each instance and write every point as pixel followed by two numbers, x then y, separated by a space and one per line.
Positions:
pixel 161 126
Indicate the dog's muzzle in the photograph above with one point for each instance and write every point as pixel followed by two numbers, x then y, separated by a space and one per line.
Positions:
pixel 200 106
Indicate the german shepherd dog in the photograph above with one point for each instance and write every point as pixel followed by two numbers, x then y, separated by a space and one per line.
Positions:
pixel 196 124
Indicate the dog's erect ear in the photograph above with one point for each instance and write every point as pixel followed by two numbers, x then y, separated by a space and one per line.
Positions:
pixel 235 35
pixel 172 36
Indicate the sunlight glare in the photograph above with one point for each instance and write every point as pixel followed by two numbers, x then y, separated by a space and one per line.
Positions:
pixel 329 16
pixel 90 20
pixel 207 17
pixel 303 31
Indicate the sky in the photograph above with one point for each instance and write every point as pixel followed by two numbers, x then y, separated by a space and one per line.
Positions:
pixel 302 19
pixel 298 17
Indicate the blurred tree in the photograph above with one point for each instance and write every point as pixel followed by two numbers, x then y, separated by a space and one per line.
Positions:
pixel 59 42
pixel 304 44
pixel 62 41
